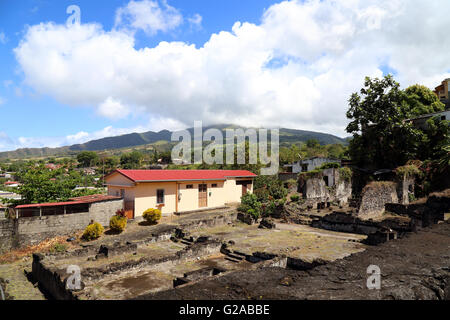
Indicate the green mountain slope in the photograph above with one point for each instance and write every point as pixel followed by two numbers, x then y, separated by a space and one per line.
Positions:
pixel 287 137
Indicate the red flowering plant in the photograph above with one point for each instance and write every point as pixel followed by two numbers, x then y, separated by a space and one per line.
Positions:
pixel 120 213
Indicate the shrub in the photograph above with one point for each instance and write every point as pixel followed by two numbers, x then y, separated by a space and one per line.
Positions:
pixel 295 197
pixel 59 247
pixel 316 173
pixel 262 194
pixel 255 214
pixel 152 215
pixel 121 213
pixel 345 174
pixel 93 231
pixel 329 165
pixel 408 171
pixel 273 186
pixel 118 223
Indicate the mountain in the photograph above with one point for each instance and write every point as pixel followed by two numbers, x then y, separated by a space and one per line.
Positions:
pixel 287 137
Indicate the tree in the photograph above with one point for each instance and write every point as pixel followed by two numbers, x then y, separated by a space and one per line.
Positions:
pixel 87 158
pixel 131 160
pixel 312 143
pixel 382 136
pixel 381 139
pixel 40 184
pixel 420 100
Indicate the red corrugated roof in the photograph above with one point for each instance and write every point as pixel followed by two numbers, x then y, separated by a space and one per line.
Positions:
pixel 183 175
pixel 74 201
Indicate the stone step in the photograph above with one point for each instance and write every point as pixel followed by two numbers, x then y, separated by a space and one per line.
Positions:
pixel 235 256
pixel 188 243
pixel 232 259
pixel 238 253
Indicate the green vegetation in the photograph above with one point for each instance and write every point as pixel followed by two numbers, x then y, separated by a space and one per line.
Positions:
pixel 330 165
pixel 131 160
pixel 152 216
pixel 87 159
pixel 269 188
pixel 316 173
pixel 118 222
pixel 40 184
pixel 250 205
pixel 269 195
pixel 382 136
pixel 58 248
pixel 295 198
pixel 408 171
pixel 92 232
pixel 149 141
pixel 345 174
pixel 298 151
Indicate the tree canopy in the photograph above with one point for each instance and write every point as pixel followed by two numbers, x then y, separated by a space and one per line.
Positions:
pixel 87 158
pixel 382 138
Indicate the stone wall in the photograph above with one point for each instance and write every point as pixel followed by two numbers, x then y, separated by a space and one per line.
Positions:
pixel 316 188
pixel 375 196
pixel 32 230
pixel 405 187
pixel 343 192
pixel 7 234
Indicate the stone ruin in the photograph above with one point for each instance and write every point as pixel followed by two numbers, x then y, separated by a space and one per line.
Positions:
pixel 377 194
pixel 322 189
pixel 327 187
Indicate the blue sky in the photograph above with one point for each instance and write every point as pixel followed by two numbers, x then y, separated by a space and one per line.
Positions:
pixel 164 64
pixel 27 114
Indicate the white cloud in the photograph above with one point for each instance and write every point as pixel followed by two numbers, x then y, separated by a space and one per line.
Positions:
pixel 3 38
pixel 113 109
pixel 149 16
pixel 196 20
pixel 296 69
pixel 2 101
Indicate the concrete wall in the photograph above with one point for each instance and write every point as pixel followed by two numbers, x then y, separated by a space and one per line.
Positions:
pixel 7 234
pixel 32 230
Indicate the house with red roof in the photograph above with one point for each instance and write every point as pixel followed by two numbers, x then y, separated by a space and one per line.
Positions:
pixel 12 184
pixel 177 191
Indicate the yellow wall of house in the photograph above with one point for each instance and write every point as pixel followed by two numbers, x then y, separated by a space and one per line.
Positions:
pixel 118 179
pixel 145 197
pixel 144 194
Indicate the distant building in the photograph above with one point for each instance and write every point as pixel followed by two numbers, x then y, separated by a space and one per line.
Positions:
pixel 12 184
pixel 6 175
pixel 420 121
pixel 52 166
pixel 309 164
pixel 442 91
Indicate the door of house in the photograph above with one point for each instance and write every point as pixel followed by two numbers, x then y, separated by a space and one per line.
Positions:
pixel 202 195
pixel 129 209
pixel 244 189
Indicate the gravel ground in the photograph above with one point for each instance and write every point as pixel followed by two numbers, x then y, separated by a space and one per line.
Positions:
pixel 415 267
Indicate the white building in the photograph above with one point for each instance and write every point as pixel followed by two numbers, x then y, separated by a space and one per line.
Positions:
pixel 309 164
pixel 420 122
